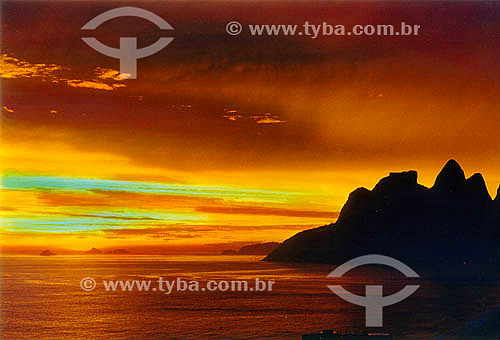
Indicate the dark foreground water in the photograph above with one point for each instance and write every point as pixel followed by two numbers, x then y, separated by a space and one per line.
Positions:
pixel 42 299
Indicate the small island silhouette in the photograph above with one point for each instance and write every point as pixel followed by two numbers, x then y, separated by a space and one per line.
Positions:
pixel 253 249
pixel 448 226
pixel 95 251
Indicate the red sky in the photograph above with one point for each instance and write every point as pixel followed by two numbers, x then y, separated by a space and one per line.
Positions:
pixel 238 138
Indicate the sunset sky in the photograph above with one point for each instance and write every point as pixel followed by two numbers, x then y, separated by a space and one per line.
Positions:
pixel 229 140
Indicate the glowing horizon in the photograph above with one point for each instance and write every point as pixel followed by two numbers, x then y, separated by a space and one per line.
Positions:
pixel 226 139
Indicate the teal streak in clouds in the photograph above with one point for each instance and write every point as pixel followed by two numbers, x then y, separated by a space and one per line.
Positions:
pixel 82 219
pixel 57 183
pixel 46 222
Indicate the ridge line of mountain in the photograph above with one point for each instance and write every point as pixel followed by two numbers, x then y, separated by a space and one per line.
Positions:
pixel 455 221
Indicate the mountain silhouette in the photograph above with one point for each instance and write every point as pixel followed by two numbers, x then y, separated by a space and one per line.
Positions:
pixel 455 222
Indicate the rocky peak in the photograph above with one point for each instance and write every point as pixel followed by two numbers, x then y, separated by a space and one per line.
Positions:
pixel 397 187
pixel 359 202
pixel 397 182
pixel 476 188
pixel 451 180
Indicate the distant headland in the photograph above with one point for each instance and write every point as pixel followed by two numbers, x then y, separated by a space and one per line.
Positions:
pixel 253 249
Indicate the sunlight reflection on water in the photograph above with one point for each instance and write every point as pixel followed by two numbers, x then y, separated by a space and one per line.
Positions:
pixel 42 299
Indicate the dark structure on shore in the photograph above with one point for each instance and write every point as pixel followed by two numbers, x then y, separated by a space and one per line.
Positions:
pixel 332 335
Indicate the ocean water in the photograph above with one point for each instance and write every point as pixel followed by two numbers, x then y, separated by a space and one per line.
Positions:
pixel 42 299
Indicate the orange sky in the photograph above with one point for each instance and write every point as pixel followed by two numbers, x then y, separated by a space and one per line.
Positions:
pixel 232 139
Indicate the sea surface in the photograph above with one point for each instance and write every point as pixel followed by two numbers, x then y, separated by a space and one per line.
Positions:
pixel 42 299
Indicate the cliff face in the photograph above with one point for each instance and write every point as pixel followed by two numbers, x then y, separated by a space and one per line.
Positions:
pixel 497 200
pixel 454 221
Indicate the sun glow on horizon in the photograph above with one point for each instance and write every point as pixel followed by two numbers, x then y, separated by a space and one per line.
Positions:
pixel 229 141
